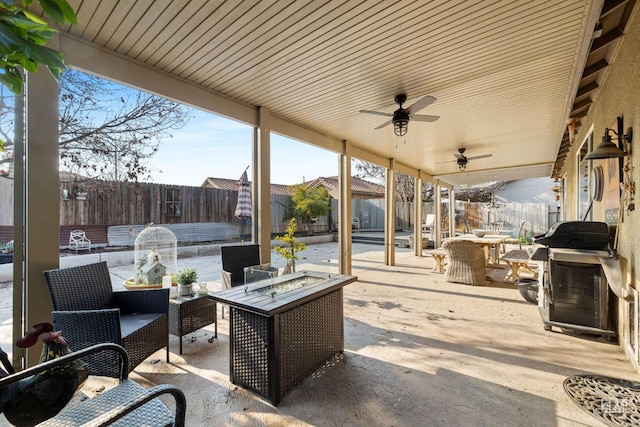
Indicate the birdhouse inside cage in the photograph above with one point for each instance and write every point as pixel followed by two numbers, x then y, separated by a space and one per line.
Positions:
pixel 155 256
pixel 153 272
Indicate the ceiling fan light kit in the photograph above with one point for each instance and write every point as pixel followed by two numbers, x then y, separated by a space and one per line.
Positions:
pixel 462 160
pixel 400 122
pixel 401 117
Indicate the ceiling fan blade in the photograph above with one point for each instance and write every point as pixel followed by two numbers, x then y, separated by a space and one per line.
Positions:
pixel 421 103
pixel 384 124
pixel 460 157
pixel 424 118
pixel 482 156
pixel 378 113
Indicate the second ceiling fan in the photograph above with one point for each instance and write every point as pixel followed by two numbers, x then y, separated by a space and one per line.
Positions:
pixel 400 118
pixel 462 160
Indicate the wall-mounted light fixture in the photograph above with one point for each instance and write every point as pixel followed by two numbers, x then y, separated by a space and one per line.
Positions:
pixel 607 149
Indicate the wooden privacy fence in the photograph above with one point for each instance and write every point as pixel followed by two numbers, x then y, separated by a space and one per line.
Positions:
pixel 479 215
pixel 106 204
pixel 120 203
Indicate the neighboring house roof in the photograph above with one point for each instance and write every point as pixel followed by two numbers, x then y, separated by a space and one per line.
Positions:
pixel 232 185
pixel 359 187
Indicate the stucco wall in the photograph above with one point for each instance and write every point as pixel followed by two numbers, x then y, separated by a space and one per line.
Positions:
pixel 619 96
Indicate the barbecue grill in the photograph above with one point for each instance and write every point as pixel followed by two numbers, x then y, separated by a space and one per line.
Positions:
pixel 574 293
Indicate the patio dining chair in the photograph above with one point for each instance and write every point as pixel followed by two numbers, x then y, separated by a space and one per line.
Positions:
pixel 466 262
pixel 89 312
pixel 494 227
pixel 518 239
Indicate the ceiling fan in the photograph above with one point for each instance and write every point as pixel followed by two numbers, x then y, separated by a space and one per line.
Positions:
pixel 462 160
pixel 400 118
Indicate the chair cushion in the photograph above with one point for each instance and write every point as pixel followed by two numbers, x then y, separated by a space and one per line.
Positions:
pixel 153 413
pixel 130 323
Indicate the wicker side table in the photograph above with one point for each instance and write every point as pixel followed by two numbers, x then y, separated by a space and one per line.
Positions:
pixel 188 314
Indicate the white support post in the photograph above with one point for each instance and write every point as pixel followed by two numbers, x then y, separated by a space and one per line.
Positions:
pixel 417 222
pixel 345 211
pixel 390 216
pixel 261 194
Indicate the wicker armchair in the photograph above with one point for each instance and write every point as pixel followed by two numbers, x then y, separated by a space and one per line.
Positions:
pixel 89 312
pixel 128 403
pixel 466 262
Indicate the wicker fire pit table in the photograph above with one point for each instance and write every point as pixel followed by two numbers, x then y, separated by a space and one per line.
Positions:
pixel 282 329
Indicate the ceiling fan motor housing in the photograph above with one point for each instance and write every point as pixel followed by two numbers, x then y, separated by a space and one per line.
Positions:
pixel 400 99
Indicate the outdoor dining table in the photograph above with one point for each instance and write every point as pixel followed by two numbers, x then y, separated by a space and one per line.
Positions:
pixel 284 328
pixel 488 242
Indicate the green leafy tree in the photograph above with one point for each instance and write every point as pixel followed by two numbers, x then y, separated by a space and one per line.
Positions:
pixel 23 39
pixel 291 246
pixel 308 202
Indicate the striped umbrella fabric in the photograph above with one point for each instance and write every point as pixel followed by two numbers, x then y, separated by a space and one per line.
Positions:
pixel 243 208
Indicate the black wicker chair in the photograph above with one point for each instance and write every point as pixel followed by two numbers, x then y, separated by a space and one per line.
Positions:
pixel 234 260
pixel 89 312
pixel 128 403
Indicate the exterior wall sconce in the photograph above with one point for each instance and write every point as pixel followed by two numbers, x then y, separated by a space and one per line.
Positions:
pixel 607 149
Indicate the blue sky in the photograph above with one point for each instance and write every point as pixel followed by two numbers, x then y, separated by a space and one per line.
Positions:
pixel 212 146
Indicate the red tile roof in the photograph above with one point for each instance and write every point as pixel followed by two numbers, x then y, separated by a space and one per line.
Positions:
pixel 232 185
pixel 358 186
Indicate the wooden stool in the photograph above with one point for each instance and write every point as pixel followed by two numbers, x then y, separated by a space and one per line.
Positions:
pixel 439 256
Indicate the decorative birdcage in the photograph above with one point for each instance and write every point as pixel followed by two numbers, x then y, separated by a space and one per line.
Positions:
pixel 155 255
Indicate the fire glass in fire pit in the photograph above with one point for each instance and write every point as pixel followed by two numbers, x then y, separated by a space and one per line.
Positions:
pixel 288 285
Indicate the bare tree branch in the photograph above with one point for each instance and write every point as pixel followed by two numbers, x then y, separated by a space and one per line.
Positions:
pixel 107 131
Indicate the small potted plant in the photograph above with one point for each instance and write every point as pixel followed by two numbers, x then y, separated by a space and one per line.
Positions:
pixel 185 279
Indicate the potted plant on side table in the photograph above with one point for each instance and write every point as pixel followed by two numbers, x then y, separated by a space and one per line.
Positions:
pixel 185 279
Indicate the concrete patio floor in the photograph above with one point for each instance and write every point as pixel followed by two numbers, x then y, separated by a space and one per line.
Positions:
pixel 418 352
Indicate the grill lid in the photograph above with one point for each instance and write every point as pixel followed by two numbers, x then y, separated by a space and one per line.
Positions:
pixel 576 235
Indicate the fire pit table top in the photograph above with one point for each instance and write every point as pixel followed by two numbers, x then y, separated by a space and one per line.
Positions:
pixel 271 296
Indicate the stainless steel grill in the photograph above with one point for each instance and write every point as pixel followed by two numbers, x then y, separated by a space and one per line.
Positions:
pixel 574 292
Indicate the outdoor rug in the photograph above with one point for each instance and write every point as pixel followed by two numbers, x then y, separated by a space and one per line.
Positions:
pixel 614 401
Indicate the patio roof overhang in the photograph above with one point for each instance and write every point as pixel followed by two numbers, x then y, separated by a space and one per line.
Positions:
pixel 506 75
